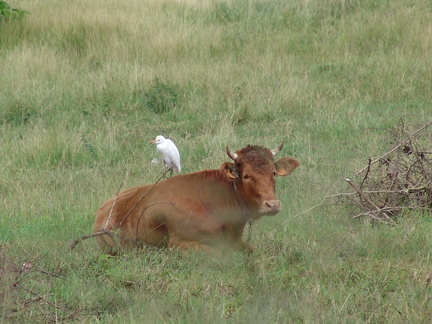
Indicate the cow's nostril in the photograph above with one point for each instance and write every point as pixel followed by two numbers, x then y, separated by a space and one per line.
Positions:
pixel 273 203
pixel 272 206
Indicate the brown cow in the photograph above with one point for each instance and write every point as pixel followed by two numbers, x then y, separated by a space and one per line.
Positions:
pixel 205 210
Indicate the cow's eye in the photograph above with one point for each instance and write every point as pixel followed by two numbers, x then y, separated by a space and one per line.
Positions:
pixel 245 176
pixel 274 174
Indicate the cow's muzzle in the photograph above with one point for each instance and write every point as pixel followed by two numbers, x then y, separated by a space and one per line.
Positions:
pixel 270 207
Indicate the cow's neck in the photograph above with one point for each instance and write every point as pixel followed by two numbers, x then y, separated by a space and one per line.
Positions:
pixel 245 213
pixel 228 192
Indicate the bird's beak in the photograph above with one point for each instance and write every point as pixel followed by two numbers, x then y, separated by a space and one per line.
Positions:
pixel 152 141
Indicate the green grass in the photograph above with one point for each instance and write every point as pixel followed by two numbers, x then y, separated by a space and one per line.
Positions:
pixel 85 85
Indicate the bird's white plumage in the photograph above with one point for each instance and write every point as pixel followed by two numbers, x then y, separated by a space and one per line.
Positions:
pixel 169 151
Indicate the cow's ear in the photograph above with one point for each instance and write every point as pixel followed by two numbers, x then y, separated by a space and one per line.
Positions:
pixel 230 170
pixel 285 166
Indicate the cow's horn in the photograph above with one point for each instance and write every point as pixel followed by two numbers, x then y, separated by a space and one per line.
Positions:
pixel 277 150
pixel 232 155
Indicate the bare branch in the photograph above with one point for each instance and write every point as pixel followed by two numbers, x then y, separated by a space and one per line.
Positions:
pixel 85 237
pixel 111 234
pixel 402 180
pixel 367 199
pixel 143 196
pixel 112 207
pixel 396 147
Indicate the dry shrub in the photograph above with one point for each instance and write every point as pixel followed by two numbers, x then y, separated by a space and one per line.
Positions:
pixel 399 180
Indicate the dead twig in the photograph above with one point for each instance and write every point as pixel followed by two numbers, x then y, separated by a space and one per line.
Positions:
pixel 112 207
pixel 380 211
pixel 399 180
pixel 85 237
pixel 105 231
pixel 51 274
pixel 367 173
pixel 396 147
pixel 143 196
pixel 111 234
pixel 39 297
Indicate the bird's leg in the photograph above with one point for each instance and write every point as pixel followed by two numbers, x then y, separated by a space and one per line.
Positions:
pixel 171 173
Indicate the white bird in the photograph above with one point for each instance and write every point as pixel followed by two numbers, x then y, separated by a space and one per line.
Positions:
pixel 169 151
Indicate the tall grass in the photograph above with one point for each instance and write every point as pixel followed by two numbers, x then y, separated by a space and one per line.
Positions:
pixel 85 85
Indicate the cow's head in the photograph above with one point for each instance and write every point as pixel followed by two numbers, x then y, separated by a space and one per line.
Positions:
pixel 254 174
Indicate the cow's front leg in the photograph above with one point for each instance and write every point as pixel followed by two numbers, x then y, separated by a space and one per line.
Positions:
pixel 183 244
pixel 245 246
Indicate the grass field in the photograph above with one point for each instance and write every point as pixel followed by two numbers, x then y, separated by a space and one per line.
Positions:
pixel 84 87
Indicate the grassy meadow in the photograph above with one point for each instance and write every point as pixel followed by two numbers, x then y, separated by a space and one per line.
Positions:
pixel 84 87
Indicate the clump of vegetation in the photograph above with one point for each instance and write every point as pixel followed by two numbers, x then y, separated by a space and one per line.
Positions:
pixel 399 180
pixel 8 13
pixel 162 97
pixel 241 116
pixel 17 113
